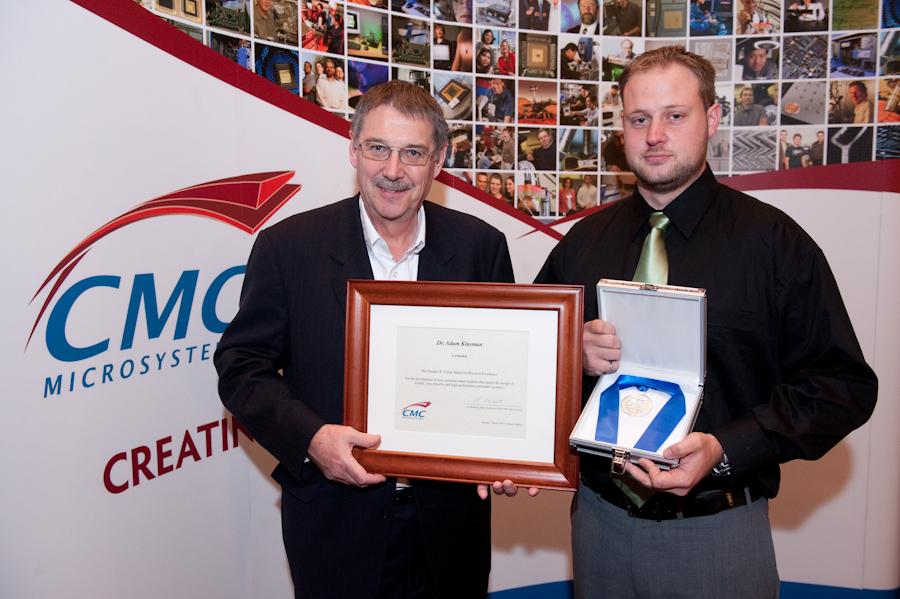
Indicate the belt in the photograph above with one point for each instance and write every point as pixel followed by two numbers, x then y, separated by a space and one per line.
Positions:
pixel 404 497
pixel 665 506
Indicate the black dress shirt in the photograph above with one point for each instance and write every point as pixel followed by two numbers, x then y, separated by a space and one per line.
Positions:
pixel 786 378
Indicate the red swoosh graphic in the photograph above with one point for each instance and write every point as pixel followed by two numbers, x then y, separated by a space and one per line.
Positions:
pixel 423 404
pixel 245 202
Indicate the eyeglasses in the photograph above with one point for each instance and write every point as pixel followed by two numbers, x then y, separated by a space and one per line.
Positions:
pixel 376 151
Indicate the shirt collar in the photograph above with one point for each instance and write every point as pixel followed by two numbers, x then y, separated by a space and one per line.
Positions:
pixel 372 237
pixel 685 211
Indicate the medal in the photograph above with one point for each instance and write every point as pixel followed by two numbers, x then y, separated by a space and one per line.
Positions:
pixel 637 405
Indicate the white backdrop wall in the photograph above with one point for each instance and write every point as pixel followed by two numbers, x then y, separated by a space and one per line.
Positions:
pixel 122 474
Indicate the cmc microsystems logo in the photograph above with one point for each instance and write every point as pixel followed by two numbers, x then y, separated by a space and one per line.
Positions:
pixel 411 412
pixel 245 202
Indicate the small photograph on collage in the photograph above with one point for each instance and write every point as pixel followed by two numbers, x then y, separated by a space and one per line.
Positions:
pixel 805 57
pixel 537 55
pixel 725 98
pixel 889 101
pixel 578 149
pixel 459 152
pixel 535 15
pixel 313 68
pixel 459 11
pixel 453 92
pixel 756 58
pixel 536 193
pixel 618 54
pixel 323 26
pixel 497 147
pixel 417 9
pixel 718 151
pixel 854 55
pixel 849 144
pixel 612 97
pixel 718 53
pixel 711 17
pixel 367 33
pixel 890 15
pixel 537 149
pixel 758 17
pixel 613 152
pixel 623 17
pixel 614 187
pixel 361 77
pixel 278 65
pixel 420 78
pixel 276 21
pixel 665 23
pixel 586 193
pixel 496 13
pixel 467 176
pixel 576 193
pixel 193 32
pixel 854 15
pixel 500 186
pixel 451 48
pixel 331 87
pixel 887 143
pixel 573 101
pixel 184 9
pixel 801 143
pixel 495 52
pixel 806 15
pixel 369 3
pixel 756 105
pixel 411 42
pixel 889 53
pixel 577 16
pixel 232 48
pixel 233 15
pixel 579 58
pixel 753 150
pixel 537 103
pixel 804 103
pixel 495 101
pixel 851 102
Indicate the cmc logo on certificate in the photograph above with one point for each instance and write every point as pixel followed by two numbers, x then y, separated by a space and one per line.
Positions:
pixel 415 411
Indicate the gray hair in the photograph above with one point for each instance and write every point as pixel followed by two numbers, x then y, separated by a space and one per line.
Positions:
pixel 409 100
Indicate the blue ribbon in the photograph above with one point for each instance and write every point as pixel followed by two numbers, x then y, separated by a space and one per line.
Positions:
pixel 661 427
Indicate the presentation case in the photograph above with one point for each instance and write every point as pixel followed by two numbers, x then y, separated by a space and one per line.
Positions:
pixel 652 400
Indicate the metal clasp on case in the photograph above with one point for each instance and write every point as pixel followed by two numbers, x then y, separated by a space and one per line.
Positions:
pixel 619 458
pixel 649 287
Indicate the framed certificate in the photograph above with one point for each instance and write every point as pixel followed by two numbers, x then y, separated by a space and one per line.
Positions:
pixel 469 382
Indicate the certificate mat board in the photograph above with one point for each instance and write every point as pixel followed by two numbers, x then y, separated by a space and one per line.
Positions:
pixel 471 382
pixel 663 333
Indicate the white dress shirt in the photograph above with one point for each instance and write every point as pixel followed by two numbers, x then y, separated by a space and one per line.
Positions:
pixel 383 266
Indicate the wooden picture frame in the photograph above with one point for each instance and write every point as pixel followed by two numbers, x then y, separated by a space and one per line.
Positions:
pixel 560 305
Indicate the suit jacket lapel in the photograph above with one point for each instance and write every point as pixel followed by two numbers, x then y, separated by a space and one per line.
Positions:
pixel 347 248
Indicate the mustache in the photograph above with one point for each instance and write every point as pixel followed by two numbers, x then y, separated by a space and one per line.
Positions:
pixel 385 183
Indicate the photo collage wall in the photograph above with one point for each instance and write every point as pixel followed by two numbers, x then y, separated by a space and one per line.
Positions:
pixel 530 90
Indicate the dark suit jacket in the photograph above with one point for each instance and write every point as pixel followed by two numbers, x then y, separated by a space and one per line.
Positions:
pixel 291 317
pixel 539 20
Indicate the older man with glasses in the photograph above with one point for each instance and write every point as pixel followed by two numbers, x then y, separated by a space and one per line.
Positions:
pixel 348 532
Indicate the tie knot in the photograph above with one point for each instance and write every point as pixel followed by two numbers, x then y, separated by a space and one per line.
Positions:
pixel 660 221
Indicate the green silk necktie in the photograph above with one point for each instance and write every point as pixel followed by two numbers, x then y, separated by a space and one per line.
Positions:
pixel 653 268
pixel 653 265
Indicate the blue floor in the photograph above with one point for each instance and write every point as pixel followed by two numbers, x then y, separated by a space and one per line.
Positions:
pixel 789 590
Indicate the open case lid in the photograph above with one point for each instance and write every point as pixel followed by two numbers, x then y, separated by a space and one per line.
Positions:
pixel 662 327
